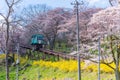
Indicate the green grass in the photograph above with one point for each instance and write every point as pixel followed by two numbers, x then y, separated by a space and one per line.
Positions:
pixel 50 73
pixel 45 73
pixel 31 73
pixel 62 48
pixel 3 75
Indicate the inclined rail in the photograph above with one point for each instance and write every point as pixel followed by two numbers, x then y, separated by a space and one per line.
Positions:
pixel 60 54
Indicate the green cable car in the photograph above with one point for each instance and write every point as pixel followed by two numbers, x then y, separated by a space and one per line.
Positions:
pixel 38 41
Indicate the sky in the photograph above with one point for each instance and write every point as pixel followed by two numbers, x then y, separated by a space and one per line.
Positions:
pixel 54 3
pixel 66 3
pixel 59 3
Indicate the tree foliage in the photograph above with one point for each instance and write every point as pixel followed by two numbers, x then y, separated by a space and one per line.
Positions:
pixel 106 23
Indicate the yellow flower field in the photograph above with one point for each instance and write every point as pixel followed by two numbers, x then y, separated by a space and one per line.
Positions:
pixel 71 66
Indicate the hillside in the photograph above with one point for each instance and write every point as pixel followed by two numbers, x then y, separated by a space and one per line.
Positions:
pixel 56 70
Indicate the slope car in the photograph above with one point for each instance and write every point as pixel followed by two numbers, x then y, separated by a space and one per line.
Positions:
pixel 37 41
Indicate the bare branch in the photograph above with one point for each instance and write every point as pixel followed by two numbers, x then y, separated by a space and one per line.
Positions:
pixel 7 3
pixel 2 16
pixel 10 5
pixel 16 2
pixel 110 1
pixel 15 21
pixel 113 2
pixel 3 24
pixel 108 64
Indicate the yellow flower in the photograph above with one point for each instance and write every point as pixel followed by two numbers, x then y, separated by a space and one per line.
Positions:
pixel 72 65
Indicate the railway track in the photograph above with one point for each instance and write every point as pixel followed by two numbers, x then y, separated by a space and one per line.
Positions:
pixel 58 54
pixel 51 52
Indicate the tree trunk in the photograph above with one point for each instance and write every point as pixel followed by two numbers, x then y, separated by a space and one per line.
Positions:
pixel 13 56
pixel 117 74
pixel 7 40
pixel 12 50
pixel 7 67
pixel 52 44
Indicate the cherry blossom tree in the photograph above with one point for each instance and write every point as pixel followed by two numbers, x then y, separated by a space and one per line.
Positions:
pixel 7 23
pixel 2 39
pixel 106 23
pixel 70 27
pixel 49 23
pixel 29 21
pixel 52 22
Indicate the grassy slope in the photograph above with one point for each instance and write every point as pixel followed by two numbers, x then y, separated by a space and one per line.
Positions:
pixel 45 73
pixel 3 75
pixel 31 73
pixel 50 73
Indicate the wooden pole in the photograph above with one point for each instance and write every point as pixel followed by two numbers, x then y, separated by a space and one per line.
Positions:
pixel 99 54
pixel 78 39
pixel 17 62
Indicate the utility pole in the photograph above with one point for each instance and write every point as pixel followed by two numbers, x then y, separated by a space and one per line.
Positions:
pixel 117 55
pixel 38 74
pixel 17 62
pixel 99 54
pixel 76 5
